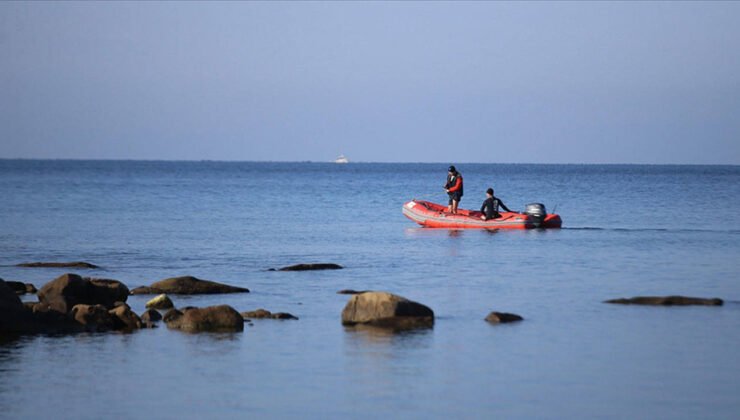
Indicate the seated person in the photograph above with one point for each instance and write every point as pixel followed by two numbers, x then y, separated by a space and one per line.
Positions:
pixel 491 205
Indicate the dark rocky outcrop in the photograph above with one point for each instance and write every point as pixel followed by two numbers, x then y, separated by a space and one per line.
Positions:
pixel 75 264
pixel 31 317
pixel 160 302
pixel 265 314
pixel 110 290
pixel 124 318
pixel 49 321
pixel 14 316
pixel 383 309
pixel 68 290
pixel 308 267
pixel 221 318
pixel 667 301
pixel 150 316
pixel 502 317
pixel 94 318
pixel 18 287
pixel 51 317
pixel 187 285
pixel 21 288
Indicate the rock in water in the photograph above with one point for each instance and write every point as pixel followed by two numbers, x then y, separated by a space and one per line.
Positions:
pixel 502 317
pixel 21 288
pixel 383 309
pixel 187 285
pixel 18 287
pixel 75 264
pixel 284 315
pixel 124 318
pixel 68 290
pixel 221 318
pixel 265 314
pixel 94 318
pixel 258 314
pixel 33 317
pixel 151 316
pixel 307 267
pixel 160 302
pixel 667 301
pixel 14 316
pixel 110 290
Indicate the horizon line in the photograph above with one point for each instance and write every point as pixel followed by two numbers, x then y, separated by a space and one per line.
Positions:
pixel 361 162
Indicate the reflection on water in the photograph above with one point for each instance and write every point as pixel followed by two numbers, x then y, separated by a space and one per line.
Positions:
pixel 363 340
pixel 386 363
pixel 9 350
pixel 433 232
pixel 369 334
pixel 7 341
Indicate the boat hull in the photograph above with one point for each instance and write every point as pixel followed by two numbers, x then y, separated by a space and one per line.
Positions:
pixel 435 215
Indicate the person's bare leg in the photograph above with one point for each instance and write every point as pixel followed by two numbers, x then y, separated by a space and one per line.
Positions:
pixel 454 206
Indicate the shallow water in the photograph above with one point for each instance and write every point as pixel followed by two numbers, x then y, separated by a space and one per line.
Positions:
pixel 628 230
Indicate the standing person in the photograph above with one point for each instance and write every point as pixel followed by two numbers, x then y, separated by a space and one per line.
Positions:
pixel 490 206
pixel 454 188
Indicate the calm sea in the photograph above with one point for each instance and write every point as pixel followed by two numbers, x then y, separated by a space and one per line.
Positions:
pixel 628 230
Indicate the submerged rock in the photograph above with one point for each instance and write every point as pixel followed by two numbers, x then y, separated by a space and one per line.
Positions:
pixel 74 264
pixel 187 285
pixel 307 267
pixel 667 301
pixel 502 317
pixel 265 314
pixel 160 302
pixel 258 314
pixel 284 315
pixel 221 318
pixel 385 309
pixel 68 290
pixel 351 292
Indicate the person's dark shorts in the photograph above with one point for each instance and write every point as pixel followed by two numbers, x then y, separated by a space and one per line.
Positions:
pixel 454 196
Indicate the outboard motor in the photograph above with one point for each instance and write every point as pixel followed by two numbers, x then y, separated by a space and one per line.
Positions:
pixel 537 212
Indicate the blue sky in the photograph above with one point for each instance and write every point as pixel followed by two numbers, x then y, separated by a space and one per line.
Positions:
pixel 578 82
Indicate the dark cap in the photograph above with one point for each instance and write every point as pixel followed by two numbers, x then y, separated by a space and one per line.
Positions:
pixel 489 191
pixel 451 169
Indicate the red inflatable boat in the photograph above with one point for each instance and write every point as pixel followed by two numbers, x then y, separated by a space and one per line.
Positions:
pixel 435 215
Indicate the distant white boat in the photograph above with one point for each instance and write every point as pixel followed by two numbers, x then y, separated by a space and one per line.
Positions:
pixel 341 159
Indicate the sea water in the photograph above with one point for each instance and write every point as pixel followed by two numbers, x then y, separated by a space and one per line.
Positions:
pixel 628 230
